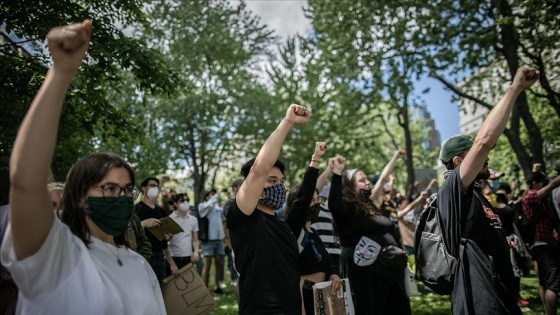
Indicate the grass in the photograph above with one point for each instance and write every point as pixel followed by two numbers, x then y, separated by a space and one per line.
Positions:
pixel 425 304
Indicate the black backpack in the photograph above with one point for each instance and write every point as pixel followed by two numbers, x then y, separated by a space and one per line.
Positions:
pixel 435 267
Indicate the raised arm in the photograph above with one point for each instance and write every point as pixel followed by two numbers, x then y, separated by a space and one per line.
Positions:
pixel 297 215
pixel 324 177
pixel 31 213
pixel 422 197
pixel 250 191
pixel 377 191
pixel 494 125
pixel 543 192
pixel 337 206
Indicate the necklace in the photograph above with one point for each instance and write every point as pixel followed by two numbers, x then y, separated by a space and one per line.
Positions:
pixel 119 261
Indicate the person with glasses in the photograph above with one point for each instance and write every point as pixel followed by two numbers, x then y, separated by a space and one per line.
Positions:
pixel 303 207
pixel 150 214
pixel 80 263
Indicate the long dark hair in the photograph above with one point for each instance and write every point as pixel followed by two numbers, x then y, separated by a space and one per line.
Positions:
pixel 85 173
pixel 292 194
pixel 363 205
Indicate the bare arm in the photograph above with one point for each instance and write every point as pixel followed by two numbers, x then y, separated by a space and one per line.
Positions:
pixel 171 262
pixel 377 190
pixel 413 204
pixel 323 179
pixel 543 192
pixel 196 247
pixel 250 191
pixel 494 125
pixel 31 213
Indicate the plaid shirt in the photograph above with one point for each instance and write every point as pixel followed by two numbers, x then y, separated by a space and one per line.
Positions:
pixel 539 212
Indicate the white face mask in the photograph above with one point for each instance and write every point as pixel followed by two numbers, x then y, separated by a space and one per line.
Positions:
pixel 366 251
pixel 184 206
pixel 153 192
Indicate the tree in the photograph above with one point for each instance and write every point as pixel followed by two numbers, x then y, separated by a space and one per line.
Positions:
pixel 358 45
pixel 221 111
pixel 452 39
pixel 111 54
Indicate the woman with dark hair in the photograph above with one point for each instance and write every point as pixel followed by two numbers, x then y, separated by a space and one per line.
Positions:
pixel 265 249
pixel 370 255
pixel 303 208
pixel 81 265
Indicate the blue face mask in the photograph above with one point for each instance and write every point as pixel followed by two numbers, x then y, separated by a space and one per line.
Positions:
pixel 275 196
pixel 495 184
pixel 110 214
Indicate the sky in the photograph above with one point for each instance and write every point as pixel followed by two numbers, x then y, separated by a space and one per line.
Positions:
pixel 286 18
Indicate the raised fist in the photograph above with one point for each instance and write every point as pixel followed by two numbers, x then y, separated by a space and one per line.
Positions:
pixel 339 162
pixel 525 77
pixel 297 114
pixel 68 45
pixel 320 149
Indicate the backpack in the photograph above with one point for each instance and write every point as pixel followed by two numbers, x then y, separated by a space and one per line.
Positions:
pixel 203 228
pixel 435 267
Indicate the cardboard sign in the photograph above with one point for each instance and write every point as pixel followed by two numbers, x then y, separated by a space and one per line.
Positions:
pixel 328 304
pixel 187 294
pixel 167 226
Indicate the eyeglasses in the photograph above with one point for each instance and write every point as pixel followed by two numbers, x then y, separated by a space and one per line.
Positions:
pixel 114 190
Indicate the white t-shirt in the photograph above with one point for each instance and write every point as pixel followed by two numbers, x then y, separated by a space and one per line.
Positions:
pixel 181 243
pixel 66 277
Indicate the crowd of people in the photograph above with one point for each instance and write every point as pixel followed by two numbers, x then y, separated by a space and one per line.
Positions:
pixel 83 246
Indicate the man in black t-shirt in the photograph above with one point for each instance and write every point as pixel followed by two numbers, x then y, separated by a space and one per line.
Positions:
pixel 265 249
pixel 483 282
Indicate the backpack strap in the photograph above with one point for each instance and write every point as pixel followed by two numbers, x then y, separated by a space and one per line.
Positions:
pixel 463 242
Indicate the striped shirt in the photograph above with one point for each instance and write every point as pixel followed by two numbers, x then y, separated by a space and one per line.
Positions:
pixel 324 227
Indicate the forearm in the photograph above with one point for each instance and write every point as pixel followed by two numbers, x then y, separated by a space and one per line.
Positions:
pixel 270 150
pixel 378 188
pixel 34 146
pixel 410 206
pixel 168 257
pixel 196 245
pixel 323 179
pixel 494 125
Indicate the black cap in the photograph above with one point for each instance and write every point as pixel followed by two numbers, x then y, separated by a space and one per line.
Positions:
pixel 536 177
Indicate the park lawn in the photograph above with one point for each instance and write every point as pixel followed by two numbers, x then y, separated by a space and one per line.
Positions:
pixel 425 304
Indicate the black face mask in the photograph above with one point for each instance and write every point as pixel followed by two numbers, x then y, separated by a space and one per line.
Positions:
pixel 365 193
pixel 314 212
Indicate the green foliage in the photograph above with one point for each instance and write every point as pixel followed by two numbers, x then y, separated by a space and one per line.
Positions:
pixel 386 44
pixel 87 112
pixel 221 113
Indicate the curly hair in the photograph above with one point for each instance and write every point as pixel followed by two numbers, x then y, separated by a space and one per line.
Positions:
pixel 363 205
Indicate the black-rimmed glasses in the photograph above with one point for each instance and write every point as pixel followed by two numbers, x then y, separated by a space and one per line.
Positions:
pixel 114 190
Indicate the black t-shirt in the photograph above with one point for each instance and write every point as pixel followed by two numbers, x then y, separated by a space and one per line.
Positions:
pixel 266 257
pixel 352 226
pixel 507 216
pixel 486 261
pixel 146 212
pixel 313 257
